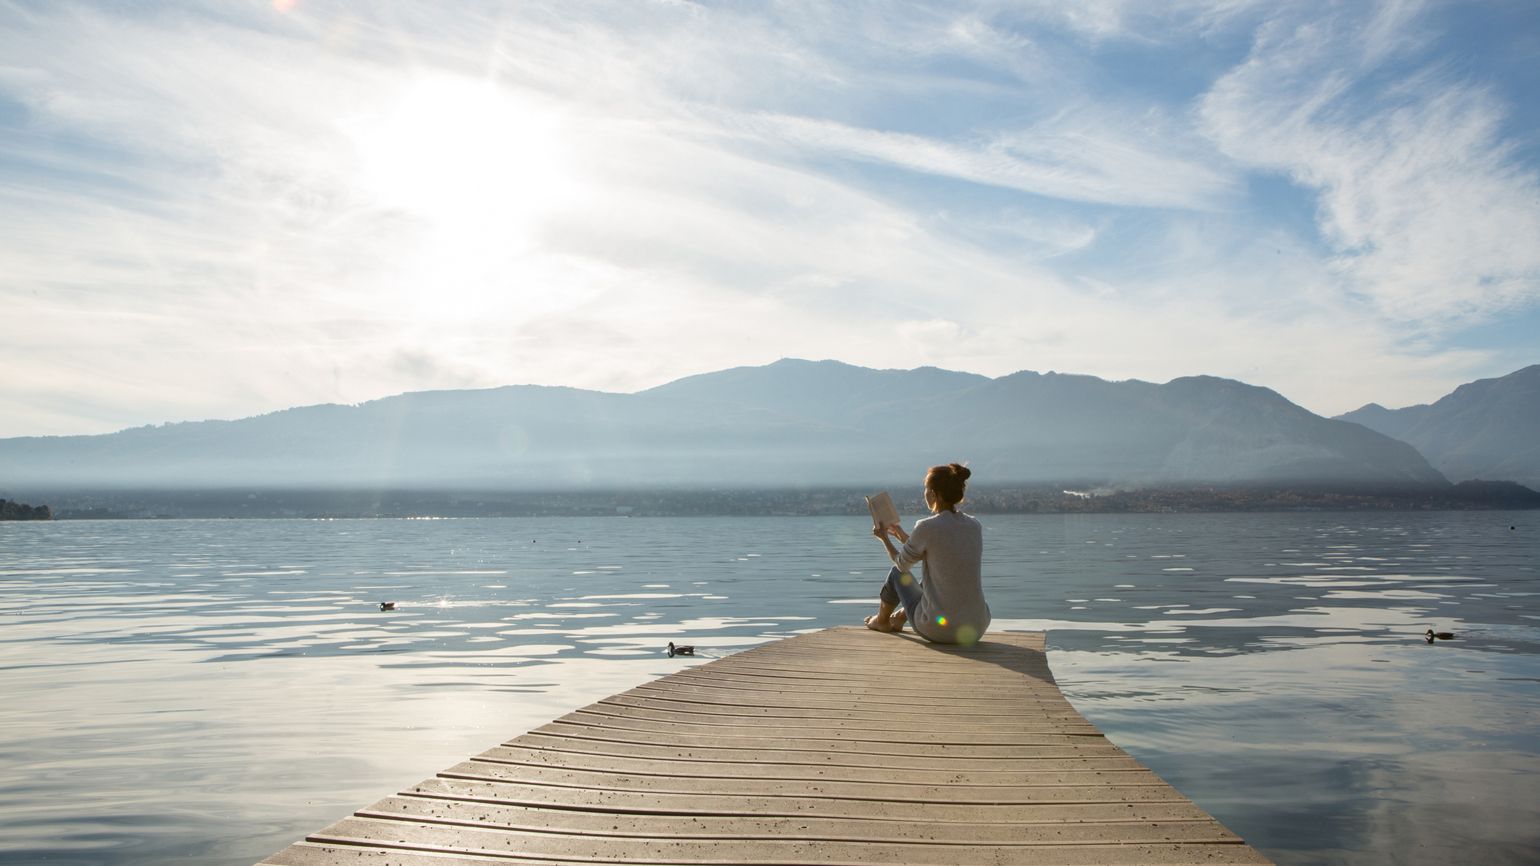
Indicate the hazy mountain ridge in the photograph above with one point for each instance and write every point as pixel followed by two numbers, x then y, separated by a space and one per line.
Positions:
pixel 791 423
pixel 1487 429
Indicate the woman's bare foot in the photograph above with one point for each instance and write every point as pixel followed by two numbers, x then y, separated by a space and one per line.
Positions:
pixel 876 623
pixel 897 620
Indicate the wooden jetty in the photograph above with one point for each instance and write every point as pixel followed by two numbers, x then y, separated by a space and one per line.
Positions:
pixel 840 746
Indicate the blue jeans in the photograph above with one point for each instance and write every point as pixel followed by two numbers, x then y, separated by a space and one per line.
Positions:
pixel 902 590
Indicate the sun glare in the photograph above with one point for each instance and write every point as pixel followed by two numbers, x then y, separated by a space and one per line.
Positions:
pixel 479 166
pixel 466 154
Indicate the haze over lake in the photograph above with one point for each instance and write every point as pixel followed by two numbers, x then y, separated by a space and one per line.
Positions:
pixel 208 691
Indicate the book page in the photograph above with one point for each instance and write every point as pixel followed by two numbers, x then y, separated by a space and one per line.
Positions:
pixel 884 512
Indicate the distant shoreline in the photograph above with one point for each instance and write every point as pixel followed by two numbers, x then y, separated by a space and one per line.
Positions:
pixel 843 501
pixel 12 510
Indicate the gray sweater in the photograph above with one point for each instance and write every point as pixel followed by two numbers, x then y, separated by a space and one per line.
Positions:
pixel 952 608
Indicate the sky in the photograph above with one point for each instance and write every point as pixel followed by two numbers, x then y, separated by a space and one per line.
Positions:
pixel 215 210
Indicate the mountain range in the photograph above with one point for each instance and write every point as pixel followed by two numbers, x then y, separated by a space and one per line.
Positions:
pixel 792 423
pixel 1488 429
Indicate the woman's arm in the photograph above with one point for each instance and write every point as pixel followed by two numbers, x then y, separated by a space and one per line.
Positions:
pixel 913 550
pixel 882 534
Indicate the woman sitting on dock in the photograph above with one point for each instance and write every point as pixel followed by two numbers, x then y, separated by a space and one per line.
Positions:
pixel 948 605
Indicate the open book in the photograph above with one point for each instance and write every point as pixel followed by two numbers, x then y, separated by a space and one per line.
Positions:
pixel 884 512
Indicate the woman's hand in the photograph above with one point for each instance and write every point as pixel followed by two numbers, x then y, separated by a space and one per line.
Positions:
pixel 899 533
pixel 882 533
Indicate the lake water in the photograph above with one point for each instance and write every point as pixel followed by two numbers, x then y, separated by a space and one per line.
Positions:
pixel 210 691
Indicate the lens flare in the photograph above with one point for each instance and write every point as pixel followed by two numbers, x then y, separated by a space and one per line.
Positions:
pixel 941 621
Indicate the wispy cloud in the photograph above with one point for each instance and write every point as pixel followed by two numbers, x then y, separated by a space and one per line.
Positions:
pixel 1072 156
pixel 1422 198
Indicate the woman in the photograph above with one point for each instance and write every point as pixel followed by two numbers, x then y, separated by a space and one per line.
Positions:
pixel 948 605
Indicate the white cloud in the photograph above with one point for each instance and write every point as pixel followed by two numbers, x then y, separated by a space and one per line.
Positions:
pixel 1126 20
pixel 1073 156
pixel 922 335
pixel 1422 200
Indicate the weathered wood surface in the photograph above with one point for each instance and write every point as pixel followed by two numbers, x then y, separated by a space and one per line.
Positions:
pixel 841 746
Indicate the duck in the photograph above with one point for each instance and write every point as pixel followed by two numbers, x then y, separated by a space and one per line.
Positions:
pixel 680 650
pixel 1441 635
pixel 387 605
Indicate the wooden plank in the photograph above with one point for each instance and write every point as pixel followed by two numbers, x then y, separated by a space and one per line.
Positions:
pixel 983 688
pixel 852 710
pixel 896 726
pixel 833 671
pixel 489 842
pixel 643 731
pixel 778 703
pixel 838 746
pixel 671 803
pixel 1019 757
pixel 843 751
pixel 477 839
pixel 894 693
pixel 871 700
pixel 936 774
pixel 312 854
pixel 1120 823
pixel 893 790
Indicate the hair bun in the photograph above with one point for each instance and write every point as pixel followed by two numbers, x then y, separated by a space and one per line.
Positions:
pixel 948 482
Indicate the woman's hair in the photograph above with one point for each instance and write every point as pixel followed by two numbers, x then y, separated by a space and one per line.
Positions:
pixel 949 482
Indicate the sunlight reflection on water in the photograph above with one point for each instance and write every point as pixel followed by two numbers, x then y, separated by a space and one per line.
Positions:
pixel 208 691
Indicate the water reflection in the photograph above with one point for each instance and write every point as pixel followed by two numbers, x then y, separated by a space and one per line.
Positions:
pixel 212 690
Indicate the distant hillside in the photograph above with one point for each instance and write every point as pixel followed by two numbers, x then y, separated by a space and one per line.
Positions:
pixel 791 423
pixel 1488 429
